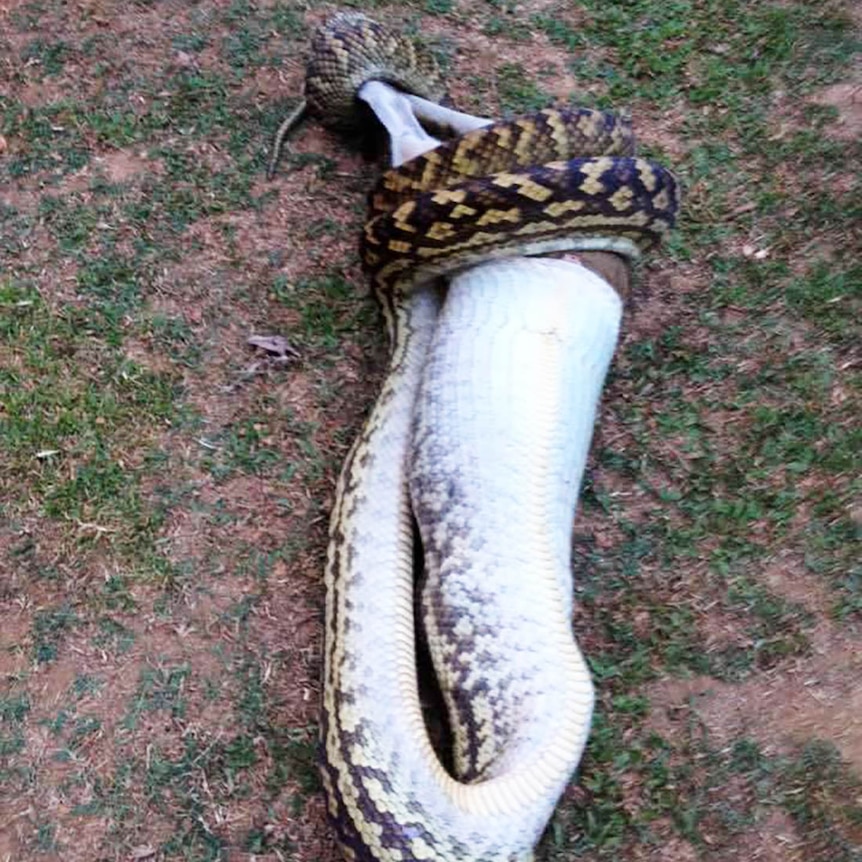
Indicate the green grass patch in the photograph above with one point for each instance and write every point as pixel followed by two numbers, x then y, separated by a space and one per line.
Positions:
pixel 49 630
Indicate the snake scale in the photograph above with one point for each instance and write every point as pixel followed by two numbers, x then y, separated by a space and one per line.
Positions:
pixel 496 598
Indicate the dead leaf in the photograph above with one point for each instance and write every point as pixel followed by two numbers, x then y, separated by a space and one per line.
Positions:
pixel 274 345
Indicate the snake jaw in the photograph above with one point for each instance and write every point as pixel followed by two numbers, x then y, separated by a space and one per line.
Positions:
pixel 445 118
pixel 407 138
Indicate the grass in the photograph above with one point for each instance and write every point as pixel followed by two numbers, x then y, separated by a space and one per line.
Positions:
pixel 164 490
pixel 652 781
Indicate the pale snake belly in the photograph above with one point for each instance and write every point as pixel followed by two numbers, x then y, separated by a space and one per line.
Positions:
pixel 497 496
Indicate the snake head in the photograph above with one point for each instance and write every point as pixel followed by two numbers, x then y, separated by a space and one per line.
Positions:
pixel 349 50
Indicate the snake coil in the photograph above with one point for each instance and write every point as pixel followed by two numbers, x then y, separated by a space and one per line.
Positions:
pixel 517 689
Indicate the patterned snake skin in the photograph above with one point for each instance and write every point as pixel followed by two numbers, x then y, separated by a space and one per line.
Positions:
pixel 516 687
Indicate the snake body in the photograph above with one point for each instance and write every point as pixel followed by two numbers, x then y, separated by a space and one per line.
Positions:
pixel 480 432
pixel 496 517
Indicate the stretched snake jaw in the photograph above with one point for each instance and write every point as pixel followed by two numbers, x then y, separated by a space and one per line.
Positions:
pixel 407 138
pixel 405 116
pixel 440 117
